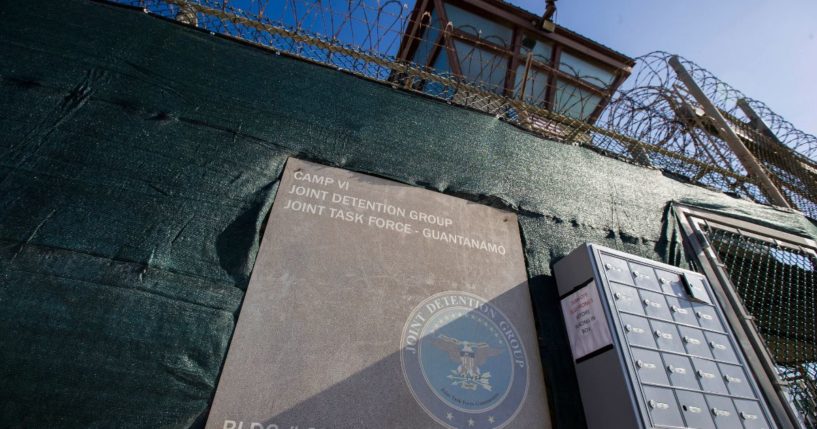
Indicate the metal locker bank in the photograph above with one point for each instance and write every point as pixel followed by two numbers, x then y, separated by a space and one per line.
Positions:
pixel 652 347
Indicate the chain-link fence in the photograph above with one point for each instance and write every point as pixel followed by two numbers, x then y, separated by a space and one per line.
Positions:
pixel 778 287
pixel 651 120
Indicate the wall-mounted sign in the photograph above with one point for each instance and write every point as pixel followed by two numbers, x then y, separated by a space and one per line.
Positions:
pixel 374 304
pixel 585 321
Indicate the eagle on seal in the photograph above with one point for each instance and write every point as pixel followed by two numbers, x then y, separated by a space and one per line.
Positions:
pixel 468 354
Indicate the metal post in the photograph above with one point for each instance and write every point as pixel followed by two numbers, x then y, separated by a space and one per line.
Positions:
pixel 525 76
pixel 750 163
pixel 804 170
pixel 756 122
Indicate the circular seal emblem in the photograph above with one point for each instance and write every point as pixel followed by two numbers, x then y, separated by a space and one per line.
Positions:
pixel 464 362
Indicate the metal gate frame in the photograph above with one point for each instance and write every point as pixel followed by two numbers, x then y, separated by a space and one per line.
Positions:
pixel 706 260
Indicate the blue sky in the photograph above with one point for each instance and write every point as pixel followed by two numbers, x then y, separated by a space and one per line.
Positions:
pixel 766 49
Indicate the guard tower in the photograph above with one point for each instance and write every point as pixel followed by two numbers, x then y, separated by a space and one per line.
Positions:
pixel 510 51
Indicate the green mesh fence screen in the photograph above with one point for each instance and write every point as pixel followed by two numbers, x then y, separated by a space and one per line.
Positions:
pixel 777 285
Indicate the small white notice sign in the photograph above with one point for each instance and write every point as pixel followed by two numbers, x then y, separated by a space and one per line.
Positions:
pixel 585 322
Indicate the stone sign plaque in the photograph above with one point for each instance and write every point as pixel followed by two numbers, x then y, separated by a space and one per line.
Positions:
pixel 375 304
